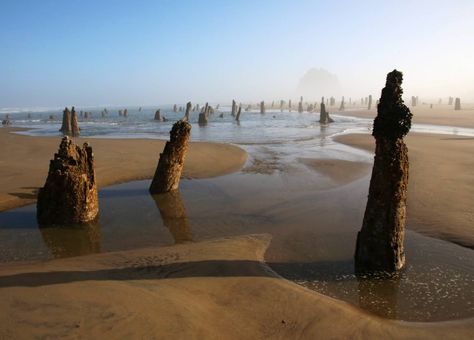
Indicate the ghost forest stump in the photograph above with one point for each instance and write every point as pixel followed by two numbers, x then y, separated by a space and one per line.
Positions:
pixel 171 162
pixel 379 246
pixel 69 195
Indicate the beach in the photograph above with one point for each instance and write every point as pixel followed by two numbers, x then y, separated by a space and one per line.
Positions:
pixel 440 114
pixel 229 286
pixel 214 290
pixel 439 194
pixel 25 161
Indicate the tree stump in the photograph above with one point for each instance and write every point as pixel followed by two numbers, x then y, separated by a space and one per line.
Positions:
pixel 69 195
pixel 171 162
pixel 379 245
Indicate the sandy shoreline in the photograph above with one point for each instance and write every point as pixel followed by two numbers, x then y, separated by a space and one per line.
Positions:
pixel 199 290
pixel 440 191
pixel 203 289
pixel 422 114
pixel 24 162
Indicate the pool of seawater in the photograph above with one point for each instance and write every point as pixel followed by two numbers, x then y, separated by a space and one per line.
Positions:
pixel 312 219
pixel 314 233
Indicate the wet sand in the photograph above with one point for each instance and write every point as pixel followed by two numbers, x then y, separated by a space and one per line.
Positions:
pixel 422 114
pixel 441 184
pixel 203 290
pixel 217 289
pixel 338 170
pixel 24 162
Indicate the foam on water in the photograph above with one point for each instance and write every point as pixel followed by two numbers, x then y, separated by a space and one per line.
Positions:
pixel 254 128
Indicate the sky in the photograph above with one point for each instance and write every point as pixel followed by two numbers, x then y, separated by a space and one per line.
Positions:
pixel 95 53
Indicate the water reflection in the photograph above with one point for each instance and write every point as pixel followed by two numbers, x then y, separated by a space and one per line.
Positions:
pixel 72 241
pixel 173 213
pixel 379 295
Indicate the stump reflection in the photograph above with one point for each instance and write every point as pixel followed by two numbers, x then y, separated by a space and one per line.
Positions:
pixel 72 241
pixel 173 213
pixel 379 295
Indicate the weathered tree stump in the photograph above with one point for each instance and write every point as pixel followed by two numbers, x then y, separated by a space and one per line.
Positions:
pixel 300 105
pixel 75 131
pixel 203 115
pixel 66 125
pixel 324 115
pixel 171 162
pixel 457 104
pixel 370 103
pixel 234 108
pixel 379 245
pixel 69 195
pixel 342 106
pixel 188 110
pixel 262 107
pixel 158 115
pixel 239 111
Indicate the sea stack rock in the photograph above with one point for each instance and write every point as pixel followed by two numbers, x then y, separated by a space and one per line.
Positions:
pixel 69 195
pixel 324 115
pixel 188 110
pixel 379 245
pixel 234 108
pixel 262 107
pixel 370 103
pixel 75 131
pixel 170 165
pixel 66 125
pixel 457 104
pixel 158 115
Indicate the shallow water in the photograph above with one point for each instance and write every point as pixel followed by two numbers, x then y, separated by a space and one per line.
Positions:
pixel 312 219
pixel 254 128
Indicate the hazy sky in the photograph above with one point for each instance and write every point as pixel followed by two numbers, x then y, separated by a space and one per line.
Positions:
pixel 64 52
